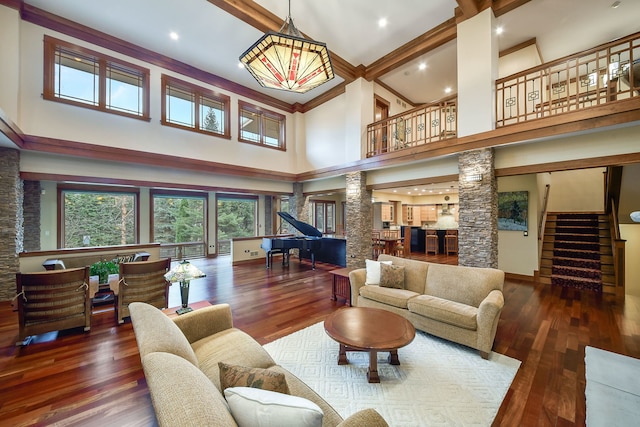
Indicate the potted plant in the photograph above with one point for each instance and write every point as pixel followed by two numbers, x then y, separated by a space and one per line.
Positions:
pixel 102 269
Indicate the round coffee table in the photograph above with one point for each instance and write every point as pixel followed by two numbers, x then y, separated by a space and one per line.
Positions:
pixel 371 330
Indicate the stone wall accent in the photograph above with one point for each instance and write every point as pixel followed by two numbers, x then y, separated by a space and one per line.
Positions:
pixel 11 225
pixel 478 224
pixel 31 207
pixel 359 220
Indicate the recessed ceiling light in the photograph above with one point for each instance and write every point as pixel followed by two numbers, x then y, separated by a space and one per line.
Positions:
pixel 499 30
pixel 174 35
pixel 240 65
pixel 615 4
pixel 422 66
pixel 447 89
pixel 382 22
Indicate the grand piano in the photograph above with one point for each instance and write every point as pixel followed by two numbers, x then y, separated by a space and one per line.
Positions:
pixel 312 245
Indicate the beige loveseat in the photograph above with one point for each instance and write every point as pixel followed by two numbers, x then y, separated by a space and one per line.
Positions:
pixel 460 304
pixel 180 359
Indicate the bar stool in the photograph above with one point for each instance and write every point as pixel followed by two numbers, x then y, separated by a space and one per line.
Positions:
pixel 432 242
pixel 451 242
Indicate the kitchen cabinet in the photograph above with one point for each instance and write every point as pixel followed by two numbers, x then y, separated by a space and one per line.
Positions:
pixel 428 213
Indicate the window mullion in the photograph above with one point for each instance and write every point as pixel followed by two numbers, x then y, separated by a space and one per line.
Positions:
pixel 102 83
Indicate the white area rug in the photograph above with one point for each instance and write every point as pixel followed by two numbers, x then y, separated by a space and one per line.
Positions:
pixel 438 383
pixel 613 390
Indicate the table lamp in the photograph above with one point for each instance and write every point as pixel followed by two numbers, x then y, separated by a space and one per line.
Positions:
pixel 183 272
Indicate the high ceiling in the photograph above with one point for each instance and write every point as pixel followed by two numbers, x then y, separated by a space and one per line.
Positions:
pixel 213 34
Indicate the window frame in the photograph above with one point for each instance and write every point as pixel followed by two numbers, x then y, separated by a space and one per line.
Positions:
pixel 197 92
pixel 51 45
pixel 325 205
pixel 262 113
pixel 77 188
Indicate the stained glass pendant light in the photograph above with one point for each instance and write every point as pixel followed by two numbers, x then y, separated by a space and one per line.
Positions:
pixel 286 60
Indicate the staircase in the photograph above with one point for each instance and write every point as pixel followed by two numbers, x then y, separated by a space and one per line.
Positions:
pixel 576 252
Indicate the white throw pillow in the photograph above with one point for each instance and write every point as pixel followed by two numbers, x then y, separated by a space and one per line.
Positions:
pixel 373 271
pixel 251 407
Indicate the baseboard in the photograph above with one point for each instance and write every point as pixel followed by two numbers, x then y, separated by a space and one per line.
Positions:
pixel 514 276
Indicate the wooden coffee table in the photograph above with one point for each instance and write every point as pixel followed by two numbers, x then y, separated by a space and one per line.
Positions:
pixel 371 330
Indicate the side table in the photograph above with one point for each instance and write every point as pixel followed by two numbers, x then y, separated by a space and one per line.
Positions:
pixel 171 312
pixel 341 287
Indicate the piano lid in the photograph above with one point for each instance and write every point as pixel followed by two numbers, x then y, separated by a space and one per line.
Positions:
pixel 303 227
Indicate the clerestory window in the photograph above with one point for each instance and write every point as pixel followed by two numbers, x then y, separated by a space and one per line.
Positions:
pixel 260 126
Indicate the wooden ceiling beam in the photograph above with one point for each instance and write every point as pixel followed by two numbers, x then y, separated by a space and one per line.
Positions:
pixel 430 40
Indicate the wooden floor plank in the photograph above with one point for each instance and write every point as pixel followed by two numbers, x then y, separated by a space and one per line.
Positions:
pixel 94 379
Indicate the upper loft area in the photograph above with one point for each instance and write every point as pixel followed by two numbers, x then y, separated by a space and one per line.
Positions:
pixel 595 83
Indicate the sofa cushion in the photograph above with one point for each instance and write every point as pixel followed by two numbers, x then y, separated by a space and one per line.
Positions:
pixel 415 272
pixel 157 332
pixel 442 310
pixel 252 407
pixel 390 296
pixel 182 395
pixel 373 272
pixel 391 276
pixel 231 346
pixel 466 285
pixel 243 376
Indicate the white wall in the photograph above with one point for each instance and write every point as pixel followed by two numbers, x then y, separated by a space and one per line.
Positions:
pixel 519 60
pixel 67 122
pixel 517 253
pixel 9 66
pixel 631 233
pixel 577 191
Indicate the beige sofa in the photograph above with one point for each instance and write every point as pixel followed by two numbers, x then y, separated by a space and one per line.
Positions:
pixel 460 304
pixel 180 359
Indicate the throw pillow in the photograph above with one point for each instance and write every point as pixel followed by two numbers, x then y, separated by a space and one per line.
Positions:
pixel 252 407
pixel 242 376
pixel 392 276
pixel 373 271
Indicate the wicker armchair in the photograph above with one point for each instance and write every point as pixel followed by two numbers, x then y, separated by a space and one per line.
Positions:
pixel 141 282
pixel 52 301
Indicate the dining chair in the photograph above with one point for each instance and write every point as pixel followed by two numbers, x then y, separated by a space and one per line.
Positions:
pixel 377 246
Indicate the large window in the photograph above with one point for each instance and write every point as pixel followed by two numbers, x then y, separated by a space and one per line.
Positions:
pixel 324 215
pixel 260 126
pixel 237 217
pixel 179 223
pixel 78 76
pixel 94 216
pixel 194 108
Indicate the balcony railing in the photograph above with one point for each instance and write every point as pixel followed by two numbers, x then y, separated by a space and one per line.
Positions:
pixel 185 250
pixel 419 126
pixel 587 79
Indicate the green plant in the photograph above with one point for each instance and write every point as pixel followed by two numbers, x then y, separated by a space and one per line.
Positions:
pixel 102 269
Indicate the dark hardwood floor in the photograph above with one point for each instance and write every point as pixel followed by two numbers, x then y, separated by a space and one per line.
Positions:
pixel 95 379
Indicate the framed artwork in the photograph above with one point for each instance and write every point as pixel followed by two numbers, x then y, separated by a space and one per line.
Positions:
pixel 513 210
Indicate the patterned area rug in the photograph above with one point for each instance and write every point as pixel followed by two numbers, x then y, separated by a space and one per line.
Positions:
pixel 437 383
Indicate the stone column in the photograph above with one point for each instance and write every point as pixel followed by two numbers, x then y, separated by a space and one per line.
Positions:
pixel 478 224
pixel 359 220
pixel 31 207
pixel 11 221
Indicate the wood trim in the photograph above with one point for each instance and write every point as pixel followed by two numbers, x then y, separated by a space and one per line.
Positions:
pixel 100 152
pixel 411 182
pixel 325 97
pixel 422 44
pixel 594 162
pixel 525 278
pixel 53 22
pixel 13 4
pixel 11 130
pixel 36 176
pixel 526 43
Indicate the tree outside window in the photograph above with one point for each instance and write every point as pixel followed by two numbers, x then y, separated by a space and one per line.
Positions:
pixel 179 224
pixel 237 217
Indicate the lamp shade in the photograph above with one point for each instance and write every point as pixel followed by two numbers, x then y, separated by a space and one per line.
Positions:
pixel 287 61
pixel 183 272
pixel 635 216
